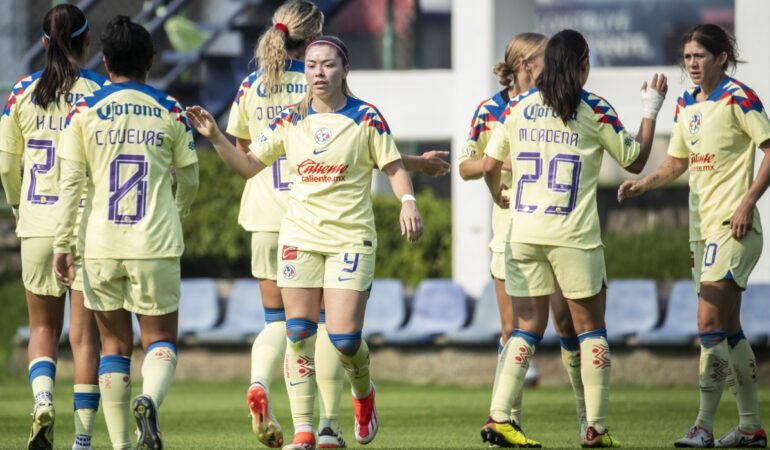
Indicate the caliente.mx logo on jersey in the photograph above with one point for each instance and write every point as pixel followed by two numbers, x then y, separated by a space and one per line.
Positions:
pixel 695 122
pixel 323 136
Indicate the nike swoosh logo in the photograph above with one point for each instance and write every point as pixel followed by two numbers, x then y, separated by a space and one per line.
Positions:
pixel 318 152
pixel 294 384
pixel 344 279
pixel 694 142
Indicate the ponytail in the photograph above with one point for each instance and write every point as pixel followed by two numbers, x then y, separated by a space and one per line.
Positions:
pixel 559 83
pixel 522 46
pixel 295 24
pixel 65 26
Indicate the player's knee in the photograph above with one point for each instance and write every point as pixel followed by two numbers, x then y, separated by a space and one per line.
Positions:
pixel 346 343
pixel 298 330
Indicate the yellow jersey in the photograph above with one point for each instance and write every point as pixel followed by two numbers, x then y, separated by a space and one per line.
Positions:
pixel 263 203
pixel 29 130
pixel 128 135
pixel 556 167
pixel 330 157
pixel 718 136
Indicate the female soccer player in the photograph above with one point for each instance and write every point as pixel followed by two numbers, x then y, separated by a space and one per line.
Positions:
pixel 126 136
pixel 280 82
pixel 327 239
pixel 718 124
pixel 30 127
pixel 518 72
pixel 556 136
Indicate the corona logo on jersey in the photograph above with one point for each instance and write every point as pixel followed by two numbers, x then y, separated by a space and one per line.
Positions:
pixel 289 271
pixel 695 122
pixel 289 88
pixel 321 172
pixel 111 110
pixel 534 111
pixel 323 136
pixel 702 162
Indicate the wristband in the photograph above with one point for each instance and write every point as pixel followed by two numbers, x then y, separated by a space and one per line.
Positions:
pixel 408 197
pixel 652 100
pixel 15 211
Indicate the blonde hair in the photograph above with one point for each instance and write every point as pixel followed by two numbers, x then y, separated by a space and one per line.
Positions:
pixel 522 46
pixel 302 21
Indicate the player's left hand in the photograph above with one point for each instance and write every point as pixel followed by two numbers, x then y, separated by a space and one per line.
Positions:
pixel 740 223
pixel 502 200
pixel 64 268
pixel 411 222
pixel 433 165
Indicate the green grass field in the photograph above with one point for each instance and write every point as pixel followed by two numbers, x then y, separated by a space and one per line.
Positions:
pixel 214 415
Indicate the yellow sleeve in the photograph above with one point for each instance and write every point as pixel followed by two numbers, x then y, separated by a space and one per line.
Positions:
pixel 269 145
pixel 11 138
pixel 382 146
pixel 478 137
pixel 676 145
pixel 499 146
pixel 71 182
pixel 754 122
pixel 619 143
pixel 10 175
pixel 71 144
pixel 238 121
pixel 186 188
pixel 183 153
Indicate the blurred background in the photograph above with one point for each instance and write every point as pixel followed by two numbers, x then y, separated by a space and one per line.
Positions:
pixel 426 64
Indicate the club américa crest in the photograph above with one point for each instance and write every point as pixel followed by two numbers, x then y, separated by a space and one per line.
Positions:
pixel 289 271
pixel 323 136
pixel 695 122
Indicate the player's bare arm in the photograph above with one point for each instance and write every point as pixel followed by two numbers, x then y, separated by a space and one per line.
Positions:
pixel 492 168
pixel 411 222
pixel 741 222
pixel 669 170
pixel 652 100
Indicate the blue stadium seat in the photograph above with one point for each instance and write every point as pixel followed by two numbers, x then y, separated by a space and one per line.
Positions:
pixel 244 317
pixel 439 307
pixel 632 309
pixel 198 309
pixel 385 309
pixel 680 326
pixel 755 312
pixel 485 324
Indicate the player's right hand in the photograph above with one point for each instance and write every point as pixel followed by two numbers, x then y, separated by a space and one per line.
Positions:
pixel 630 189
pixel 202 121
pixel 64 268
pixel 501 200
pixel 411 222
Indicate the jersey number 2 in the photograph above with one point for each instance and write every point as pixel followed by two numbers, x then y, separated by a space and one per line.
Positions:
pixel 41 169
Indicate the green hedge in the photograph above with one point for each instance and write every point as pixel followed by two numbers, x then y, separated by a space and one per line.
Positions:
pixel 660 254
pixel 216 246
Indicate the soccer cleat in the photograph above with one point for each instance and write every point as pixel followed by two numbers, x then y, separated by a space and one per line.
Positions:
pixel 505 434
pixel 367 421
pixel 148 435
pixel 327 438
pixel 737 438
pixel 41 434
pixel 302 441
pixel 263 422
pixel 696 436
pixel 599 440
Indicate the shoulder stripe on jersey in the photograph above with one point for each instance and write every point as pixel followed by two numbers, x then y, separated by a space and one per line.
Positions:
pixel 679 106
pixel 93 76
pixel 365 114
pixel 287 116
pixel 247 83
pixel 18 89
pixel 168 102
pixel 487 112
pixel 604 110
pixel 739 94
pixel 512 104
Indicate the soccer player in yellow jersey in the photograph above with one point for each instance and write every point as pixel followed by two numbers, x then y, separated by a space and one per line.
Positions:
pixel 556 135
pixel 718 124
pixel 30 126
pixel 518 72
pixel 327 239
pixel 126 136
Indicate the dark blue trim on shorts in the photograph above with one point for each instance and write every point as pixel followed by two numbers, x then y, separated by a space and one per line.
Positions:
pixel 86 400
pixel 729 276
pixel 114 364
pixel 42 369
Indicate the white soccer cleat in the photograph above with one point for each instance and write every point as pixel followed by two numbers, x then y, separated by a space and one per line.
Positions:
pixel 737 438
pixel 328 438
pixel 697 436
